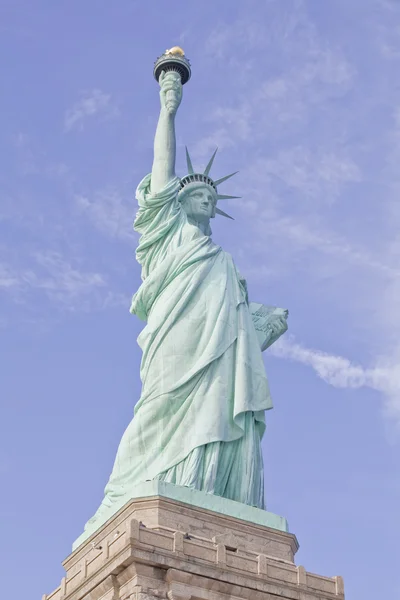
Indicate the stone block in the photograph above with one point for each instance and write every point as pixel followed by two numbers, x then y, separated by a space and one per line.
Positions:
pixel 162 548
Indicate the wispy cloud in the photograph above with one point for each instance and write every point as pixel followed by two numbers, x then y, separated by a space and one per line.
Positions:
pixel 340 372
pixel 8 279
pixel 268 97
pixel 61 282
pixel 388 29
pixel 110 212
pixel 93 103
pixel 60 278
pixel 316 175
pixel 30 158
pixel 298 235
pixel 322 188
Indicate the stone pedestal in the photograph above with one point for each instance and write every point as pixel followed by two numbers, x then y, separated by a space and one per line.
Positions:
pixel 158 547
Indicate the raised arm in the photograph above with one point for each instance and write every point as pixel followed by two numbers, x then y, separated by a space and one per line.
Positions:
pixel 163 170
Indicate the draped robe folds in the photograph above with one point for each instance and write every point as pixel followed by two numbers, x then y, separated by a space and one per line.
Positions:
pixel 202 371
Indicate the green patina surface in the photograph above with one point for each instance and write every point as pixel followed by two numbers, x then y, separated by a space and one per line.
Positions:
pixel 201 414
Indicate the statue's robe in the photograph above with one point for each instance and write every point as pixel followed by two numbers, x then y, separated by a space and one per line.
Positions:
pixel 200 418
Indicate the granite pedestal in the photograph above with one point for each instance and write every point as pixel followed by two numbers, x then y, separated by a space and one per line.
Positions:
pixel 161 547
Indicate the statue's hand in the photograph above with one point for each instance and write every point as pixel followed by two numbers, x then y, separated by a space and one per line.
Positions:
pixel 171 91
pixel 278 327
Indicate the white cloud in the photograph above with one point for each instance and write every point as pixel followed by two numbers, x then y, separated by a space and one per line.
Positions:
pixel 32 159
pixel 116 300
pixel 296 234
pixel 202 149
pixel 280 99
pixel 340 372
pixel 110 212
pixel 318 175
pixel 91 104
pixel 61 279
pixel 66 285
pixel 20 140
pixel 296 71
pixel 326 212
pixel 388 29
pixel 8 279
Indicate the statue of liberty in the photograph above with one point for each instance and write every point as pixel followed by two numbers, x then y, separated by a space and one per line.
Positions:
pixel 200 417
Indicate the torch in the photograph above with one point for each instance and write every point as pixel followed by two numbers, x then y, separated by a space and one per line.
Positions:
pixel 173 60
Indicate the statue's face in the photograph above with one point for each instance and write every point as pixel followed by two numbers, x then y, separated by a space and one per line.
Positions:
pixel 199 203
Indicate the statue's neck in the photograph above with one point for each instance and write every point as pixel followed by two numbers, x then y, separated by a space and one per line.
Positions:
pixel 204 226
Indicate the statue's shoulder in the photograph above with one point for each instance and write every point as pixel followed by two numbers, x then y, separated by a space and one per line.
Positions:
pixel 148 198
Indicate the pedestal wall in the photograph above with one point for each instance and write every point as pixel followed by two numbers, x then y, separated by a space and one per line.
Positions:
pixel 161 548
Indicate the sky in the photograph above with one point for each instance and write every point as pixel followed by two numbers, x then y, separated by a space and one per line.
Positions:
pixel 303 97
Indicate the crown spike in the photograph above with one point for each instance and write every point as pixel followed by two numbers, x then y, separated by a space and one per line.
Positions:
pixel 210 162
pixel 224 214
pixel 218 181
pixel 189 162
pixel 226 197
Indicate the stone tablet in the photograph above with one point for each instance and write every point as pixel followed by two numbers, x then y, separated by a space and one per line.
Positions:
pixel 267 320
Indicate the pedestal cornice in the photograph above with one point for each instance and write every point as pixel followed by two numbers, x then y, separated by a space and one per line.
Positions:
pixel 144 553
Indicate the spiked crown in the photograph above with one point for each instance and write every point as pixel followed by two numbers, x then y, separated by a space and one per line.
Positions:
pixel 193 177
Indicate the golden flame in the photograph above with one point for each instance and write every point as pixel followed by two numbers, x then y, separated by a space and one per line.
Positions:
pixel 176 50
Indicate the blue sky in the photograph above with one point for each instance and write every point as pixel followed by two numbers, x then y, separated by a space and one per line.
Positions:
pixel 303 97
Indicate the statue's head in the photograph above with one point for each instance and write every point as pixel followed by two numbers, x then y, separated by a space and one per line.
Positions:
pixel 199 201
pixel 199 195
